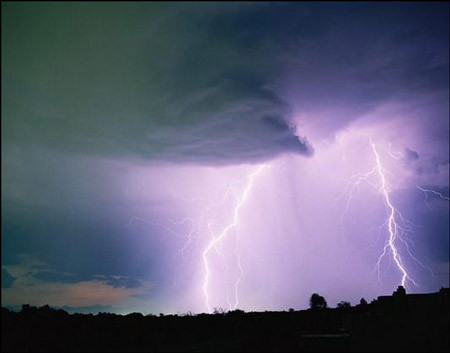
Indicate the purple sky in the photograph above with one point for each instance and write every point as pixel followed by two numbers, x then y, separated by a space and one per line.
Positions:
pixel 174 157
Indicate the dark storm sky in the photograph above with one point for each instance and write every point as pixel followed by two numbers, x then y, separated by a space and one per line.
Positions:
pixel 94 94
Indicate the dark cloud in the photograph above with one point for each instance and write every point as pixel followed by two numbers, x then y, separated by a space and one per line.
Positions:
pixel 7 279
pixel 206 84
pixel 61 277
pixel 144 296
pixel 104 245
pixel 364 56
pixel 50 276
pixel 432 165
pixel 125 282
pixel 182 92
pixel 409 156
pixel 234 122
pixel 178 83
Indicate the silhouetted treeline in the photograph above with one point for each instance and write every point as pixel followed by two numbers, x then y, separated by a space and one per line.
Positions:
pixel 396 323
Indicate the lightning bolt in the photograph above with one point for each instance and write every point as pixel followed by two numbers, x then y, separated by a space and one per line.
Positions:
pixel 135 219
pixel 434 192
pixel 203 225
pixel 352 189
pixel 397 226
pixel 217 239
pixel 392 223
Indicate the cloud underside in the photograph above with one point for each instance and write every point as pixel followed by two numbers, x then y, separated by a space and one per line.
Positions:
pixel 114 281
pixel 147 82
pixel 234 121
pixel 7 279
pixel 211 83
pixel 33 281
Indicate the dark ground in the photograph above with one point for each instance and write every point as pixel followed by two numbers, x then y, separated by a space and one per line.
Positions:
pixel 415 323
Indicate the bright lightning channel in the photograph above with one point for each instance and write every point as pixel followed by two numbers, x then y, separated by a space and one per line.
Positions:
pixel 393 226
pixel 216 239
pixel 203 224
pixel 434 192
pixel 397 226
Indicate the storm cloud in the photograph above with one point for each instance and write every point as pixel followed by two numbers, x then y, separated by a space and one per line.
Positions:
pixel 7 279
pixel 409 156
pixel 121 120
pixel 178 82
pixel 145 81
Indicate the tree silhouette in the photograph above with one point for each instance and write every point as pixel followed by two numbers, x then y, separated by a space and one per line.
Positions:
pixel 400 292
pixel 47 329
pixel 218 311
pixel 344 305
pixel 363 302
pixel 317 302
